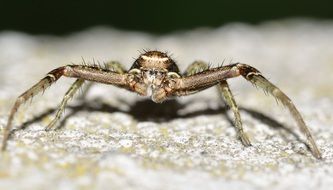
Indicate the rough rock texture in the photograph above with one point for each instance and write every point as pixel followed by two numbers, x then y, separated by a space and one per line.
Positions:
pixel 113 139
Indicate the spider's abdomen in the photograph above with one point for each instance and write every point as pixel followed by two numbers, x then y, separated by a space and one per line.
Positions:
pixel 155 60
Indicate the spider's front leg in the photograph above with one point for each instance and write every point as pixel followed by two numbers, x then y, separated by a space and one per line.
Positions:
pixel 211 77
pixel 112 66
pixel 224 90
pixel 81 72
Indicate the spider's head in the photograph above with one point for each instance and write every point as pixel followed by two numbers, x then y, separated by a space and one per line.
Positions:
pixel 153 67
pixel 155 60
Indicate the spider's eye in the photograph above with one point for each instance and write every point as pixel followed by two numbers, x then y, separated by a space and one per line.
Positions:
pixel 152 72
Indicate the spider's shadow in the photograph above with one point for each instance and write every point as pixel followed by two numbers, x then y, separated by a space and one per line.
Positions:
pixel 147 110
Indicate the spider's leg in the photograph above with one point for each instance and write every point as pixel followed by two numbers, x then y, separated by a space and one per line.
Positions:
pixel 256 78
pixel 69 94
pixel 228 97
pixel 90 73
pixel 47 81
pixel 112 66
pixel 230 100
pixel 205 79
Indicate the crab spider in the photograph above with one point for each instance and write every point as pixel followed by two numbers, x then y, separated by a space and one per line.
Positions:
pixel 156 75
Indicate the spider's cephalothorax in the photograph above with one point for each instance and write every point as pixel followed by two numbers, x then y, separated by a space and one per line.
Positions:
pixel 156 75
pixel 157 60
pixel 152 73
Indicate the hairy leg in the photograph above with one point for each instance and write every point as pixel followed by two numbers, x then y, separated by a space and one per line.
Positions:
pixel 74 71
pixel 202 80
pixel 112 66
pixel 69 94
pixel 230 100
pixel 256 78
pixel 224 90
pixel 46 82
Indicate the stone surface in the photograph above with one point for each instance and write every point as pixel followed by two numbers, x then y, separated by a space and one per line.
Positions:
pixel 113 139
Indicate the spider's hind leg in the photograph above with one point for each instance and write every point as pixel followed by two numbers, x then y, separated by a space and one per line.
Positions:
pixel 230 100
pixel 112 66
pixel 228 97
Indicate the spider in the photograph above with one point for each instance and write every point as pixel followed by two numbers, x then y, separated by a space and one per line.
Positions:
pixel 156 75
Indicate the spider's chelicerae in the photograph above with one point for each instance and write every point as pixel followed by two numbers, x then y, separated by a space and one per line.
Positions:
pixel 156 75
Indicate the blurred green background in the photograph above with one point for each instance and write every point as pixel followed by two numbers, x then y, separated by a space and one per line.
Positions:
pixel 62 17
